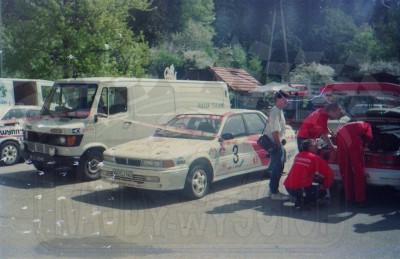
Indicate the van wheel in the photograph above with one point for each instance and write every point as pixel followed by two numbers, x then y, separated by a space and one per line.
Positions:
pixel 197 182
pixel 88 168
pixel 9 153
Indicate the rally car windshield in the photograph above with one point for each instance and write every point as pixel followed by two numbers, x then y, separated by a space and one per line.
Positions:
pixel 71 101
pixel 191 127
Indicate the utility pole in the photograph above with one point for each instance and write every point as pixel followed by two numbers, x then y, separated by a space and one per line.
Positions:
pixel 271 40
pixel 283 38
pixel 284 42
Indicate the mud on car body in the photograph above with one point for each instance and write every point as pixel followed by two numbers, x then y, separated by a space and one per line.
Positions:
pixel 191 151
pixel 381 108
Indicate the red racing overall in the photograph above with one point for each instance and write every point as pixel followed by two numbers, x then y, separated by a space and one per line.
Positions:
pixel 300 178
pixel 349 141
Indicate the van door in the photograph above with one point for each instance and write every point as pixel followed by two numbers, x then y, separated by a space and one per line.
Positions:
pixel 113 127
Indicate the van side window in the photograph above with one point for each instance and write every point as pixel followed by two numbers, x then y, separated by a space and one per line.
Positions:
pixel 118 97
pixel 103 102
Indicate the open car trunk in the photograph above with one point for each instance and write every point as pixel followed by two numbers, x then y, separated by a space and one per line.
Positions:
pixel 379 105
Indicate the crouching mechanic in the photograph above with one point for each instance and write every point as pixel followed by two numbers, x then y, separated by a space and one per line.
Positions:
pixel 307 165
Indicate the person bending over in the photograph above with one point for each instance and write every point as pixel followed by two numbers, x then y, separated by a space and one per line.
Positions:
pixel 316 124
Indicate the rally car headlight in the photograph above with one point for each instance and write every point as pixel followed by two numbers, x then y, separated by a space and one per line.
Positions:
pixel 158 163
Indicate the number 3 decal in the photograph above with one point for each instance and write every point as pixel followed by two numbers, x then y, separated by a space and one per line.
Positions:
pixel 235 151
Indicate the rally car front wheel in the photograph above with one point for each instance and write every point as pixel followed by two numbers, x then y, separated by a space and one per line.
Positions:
pixel 197 182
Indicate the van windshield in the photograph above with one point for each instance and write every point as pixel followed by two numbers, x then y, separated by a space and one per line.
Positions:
pixel 70 100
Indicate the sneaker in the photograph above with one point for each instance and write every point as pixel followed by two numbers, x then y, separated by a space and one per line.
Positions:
pixel 279 197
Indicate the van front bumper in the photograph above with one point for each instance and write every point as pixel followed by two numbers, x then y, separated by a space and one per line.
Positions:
pixel 51 163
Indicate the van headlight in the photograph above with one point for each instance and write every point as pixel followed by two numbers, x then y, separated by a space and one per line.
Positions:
pixel 61 140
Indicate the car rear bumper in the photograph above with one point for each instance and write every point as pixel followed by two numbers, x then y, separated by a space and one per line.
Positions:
pixel 375 176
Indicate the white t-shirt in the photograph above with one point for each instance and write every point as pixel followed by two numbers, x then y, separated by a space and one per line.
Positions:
pixel 276 122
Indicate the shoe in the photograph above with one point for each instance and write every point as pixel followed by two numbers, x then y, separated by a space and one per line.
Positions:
pixel 279 197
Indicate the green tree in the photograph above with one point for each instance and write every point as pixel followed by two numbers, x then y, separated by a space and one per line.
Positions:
pixel 192 44
pixel 312 74
pixel 54 39
pixel 366 43
pixel 386 24
pixel 334 34
pixel 155 23
pixel 389 67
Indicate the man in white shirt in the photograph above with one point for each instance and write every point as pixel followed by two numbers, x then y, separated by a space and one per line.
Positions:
pixel 275 129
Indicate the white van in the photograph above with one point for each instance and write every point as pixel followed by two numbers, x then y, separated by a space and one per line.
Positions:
pixel 14 91
pixel 83 117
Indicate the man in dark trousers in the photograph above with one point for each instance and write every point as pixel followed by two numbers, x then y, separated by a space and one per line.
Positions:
pixel 316 124
pixel 299 182
pixel 275 130
pixel 350 140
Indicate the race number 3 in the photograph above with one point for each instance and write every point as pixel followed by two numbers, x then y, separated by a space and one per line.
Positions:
pixel 235 151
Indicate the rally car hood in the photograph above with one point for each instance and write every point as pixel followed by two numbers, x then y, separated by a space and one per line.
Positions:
pixel 368 101
pixel 161 148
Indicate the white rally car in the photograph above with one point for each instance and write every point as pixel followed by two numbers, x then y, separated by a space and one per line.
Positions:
pixel 11 121
pixel 193 150
pixel 380 104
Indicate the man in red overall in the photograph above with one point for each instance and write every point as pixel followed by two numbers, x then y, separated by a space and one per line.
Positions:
pixel 299 182
pixel 350 140
pixel 316 124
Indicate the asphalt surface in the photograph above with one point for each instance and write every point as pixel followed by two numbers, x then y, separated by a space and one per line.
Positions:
pixel 47 215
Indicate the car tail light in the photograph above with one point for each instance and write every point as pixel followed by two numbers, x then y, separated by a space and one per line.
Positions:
pixel 390 161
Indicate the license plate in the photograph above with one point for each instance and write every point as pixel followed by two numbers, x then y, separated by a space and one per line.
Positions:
pixel 37 157
pixel 126 174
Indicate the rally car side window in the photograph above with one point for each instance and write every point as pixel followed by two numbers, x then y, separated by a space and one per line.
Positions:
pixel 254 123
pixel 15 114
pixel 234 125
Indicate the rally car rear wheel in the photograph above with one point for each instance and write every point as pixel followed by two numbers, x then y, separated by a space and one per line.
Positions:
pixel 197 182
pixel 9 153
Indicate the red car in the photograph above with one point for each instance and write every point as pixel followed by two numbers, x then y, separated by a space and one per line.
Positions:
pixel 381 108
